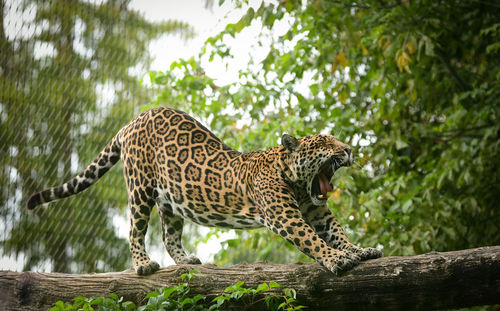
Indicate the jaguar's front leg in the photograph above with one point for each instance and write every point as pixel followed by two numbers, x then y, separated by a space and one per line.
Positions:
pixel 328 228
pixel 282 216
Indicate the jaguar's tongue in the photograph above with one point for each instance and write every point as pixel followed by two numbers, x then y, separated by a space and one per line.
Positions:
pixel 324 184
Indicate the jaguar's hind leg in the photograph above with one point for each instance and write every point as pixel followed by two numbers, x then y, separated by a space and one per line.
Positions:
pixel 139 217
pixel 172 236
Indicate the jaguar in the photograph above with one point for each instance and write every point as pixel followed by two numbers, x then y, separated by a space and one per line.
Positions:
pixel 174 162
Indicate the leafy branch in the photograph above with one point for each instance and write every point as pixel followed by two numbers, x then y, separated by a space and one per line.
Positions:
pixel 178 298
pixel 448 135
pixel 368 7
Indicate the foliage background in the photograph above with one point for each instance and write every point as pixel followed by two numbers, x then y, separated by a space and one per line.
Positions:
pixel 67 84
pixel 413 86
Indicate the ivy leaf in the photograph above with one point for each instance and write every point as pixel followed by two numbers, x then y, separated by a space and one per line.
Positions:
pixel 262 287
pixel 245 20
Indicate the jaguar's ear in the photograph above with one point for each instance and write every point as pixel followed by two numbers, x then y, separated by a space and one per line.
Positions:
pixel 289 142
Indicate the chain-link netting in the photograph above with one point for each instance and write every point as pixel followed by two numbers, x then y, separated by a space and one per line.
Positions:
pixel 69 79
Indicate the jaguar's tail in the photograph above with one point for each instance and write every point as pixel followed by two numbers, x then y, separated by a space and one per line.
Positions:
pixel 101 164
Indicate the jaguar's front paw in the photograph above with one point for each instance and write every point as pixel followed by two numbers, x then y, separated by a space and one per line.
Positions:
pixel 342 261
pixel 147 268
pixel 365 253
pixel 191 260
pixel 370 253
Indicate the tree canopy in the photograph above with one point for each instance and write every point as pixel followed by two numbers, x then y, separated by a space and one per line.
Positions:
pixel 413 86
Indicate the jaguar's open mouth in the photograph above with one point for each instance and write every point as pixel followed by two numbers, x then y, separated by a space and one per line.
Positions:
pixel 321 184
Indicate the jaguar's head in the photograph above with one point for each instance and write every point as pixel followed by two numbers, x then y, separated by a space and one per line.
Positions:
pixel 313 160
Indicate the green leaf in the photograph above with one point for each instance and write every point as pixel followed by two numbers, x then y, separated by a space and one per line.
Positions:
pixel 449 231
pixel 290 292
pixel 220 300
pixel 113 296
pixel 262 287
pixel 406 206
pixel 245 20
pixel 152 294
pixel 400 144
pixel 234 287
pixel 187 301
pixel 129 305
pixel 273 284
pixel 95 301
pixel 166 292
pixel 59 306
pixel 198 298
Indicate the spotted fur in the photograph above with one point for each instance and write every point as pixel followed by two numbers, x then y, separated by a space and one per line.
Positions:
pixel 173 161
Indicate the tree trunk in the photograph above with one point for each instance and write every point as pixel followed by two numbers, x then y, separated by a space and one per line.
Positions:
pixel 424 282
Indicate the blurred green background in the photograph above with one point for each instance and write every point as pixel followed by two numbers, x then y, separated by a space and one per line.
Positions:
pixel 413 86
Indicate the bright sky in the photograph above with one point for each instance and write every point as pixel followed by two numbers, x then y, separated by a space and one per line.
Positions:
pixel 206 22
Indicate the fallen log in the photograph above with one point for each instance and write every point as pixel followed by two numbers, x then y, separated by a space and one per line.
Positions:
pixel 431 281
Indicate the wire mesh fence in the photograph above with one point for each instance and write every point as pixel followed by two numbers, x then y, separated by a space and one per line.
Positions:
pixel 69 79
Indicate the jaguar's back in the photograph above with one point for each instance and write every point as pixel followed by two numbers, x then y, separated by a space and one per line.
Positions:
pixel 170 157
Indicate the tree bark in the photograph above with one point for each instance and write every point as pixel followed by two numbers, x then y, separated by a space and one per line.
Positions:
pixel 424 282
